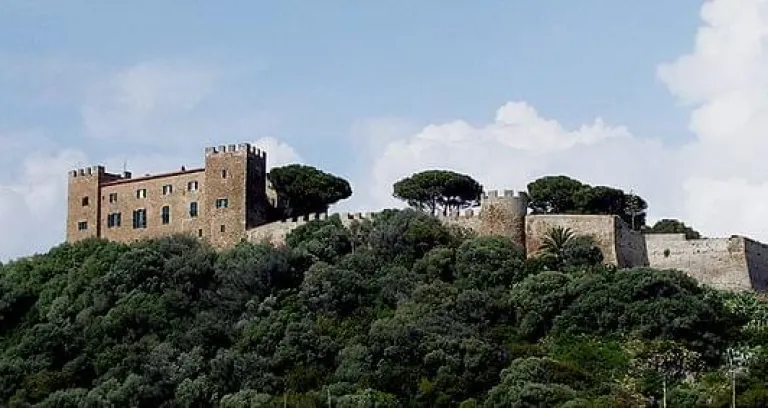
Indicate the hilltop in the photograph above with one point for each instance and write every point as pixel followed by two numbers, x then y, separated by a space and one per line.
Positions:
pixel 400 310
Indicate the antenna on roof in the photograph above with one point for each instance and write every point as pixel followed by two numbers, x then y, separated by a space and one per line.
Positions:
pixel 125 166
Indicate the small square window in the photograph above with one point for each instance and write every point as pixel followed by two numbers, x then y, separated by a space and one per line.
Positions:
pixel 113 220
pixel 167 189
pixel 141 193
pixel 82 225
pixel 85 201
pixel 112 197
pixel 222 203
pixel 192 186
pixel 224 174
pixel 223 228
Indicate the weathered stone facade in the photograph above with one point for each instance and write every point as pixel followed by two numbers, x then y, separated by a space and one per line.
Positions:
pixel 735 263
pixel 218 203
pixel 229 200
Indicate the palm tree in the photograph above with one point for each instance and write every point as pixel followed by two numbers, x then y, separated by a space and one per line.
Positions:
pixel 561 247
pixel 556 240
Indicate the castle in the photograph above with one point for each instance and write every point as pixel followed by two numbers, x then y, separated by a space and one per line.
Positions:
pixel 230 200
pixel 218 203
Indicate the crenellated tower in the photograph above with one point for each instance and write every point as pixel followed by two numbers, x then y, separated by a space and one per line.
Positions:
pixel 84 201
pixel 503 213
pixel 235 191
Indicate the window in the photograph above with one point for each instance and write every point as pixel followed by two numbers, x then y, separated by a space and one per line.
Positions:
pixel 167 189
pixel 222 203
pixel 112 197
pixel 223 174
pixel 192 186
pixel 141 193
pixel 200 233
pixel 140 218
pixel 166 214
pixel 113 220
pixel 193 209
pixel 85 201
pixel 82 225
pixel 223 228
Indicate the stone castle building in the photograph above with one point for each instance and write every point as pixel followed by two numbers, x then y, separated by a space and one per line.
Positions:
pixel 218 203
pixel 229 200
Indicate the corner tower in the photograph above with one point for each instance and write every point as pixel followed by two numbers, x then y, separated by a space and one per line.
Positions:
pixel 84 202
pixel 235 192
pixel 504 214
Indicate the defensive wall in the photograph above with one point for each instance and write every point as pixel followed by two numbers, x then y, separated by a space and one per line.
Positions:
pixel 735 263
pixel 275 232
pixel 620 245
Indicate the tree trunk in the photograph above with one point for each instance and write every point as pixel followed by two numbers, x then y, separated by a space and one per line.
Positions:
pixel 664 392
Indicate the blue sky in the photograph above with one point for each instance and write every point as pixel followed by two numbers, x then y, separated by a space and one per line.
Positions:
pixel 506 90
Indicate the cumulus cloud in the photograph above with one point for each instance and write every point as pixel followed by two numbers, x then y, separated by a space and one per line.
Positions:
pixel 153 117
pixel 518 146
pixel 31 210
pixel 725 81
pixel 718 182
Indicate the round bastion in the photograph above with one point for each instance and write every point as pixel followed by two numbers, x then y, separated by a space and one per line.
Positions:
pixel 503 213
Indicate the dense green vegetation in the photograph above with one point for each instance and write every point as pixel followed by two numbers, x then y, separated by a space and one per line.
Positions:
pixel 565 195
pixel 305 189
pixel 435 190
pixel 398 311
pixel 671 226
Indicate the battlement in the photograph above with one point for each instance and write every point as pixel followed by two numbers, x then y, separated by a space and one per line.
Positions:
pixel 495 194
pixel 236 148
pixel 349 216
pixel 459 214
pixel 87 171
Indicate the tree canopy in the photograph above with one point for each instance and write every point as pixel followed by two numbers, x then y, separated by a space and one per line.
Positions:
pixel 305 189
pixel 565 195
pixel 442 190
pixel 398 310
pixel 672 226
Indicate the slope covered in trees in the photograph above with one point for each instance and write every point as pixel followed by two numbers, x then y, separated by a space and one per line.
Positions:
pixel 399 311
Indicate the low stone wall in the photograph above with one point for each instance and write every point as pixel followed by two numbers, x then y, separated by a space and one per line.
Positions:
pixel 735 263
pixel 718 262
pixel 275 232
pixel 602 228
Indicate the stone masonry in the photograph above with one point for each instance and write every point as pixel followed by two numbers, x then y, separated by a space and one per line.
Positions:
pixel 229 200
pixel 735 263
pixel 218 203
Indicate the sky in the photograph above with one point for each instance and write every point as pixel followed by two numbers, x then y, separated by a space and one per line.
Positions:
pixel 668 99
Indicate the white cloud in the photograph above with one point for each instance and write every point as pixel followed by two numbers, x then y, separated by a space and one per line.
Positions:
pixel 519 146
pixel 725 80
pixel 32 205
pixel 718 183
pixel 161 116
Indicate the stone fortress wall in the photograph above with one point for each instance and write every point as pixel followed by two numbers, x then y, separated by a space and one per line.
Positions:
pixel 274 233
pixel 735 263
pixel 234 201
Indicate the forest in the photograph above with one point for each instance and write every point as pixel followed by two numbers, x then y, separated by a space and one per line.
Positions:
pixel 395 311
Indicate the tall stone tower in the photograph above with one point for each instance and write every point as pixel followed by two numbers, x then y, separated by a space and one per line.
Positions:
pixel 504 214
pixel 84 202
pixel 235 191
